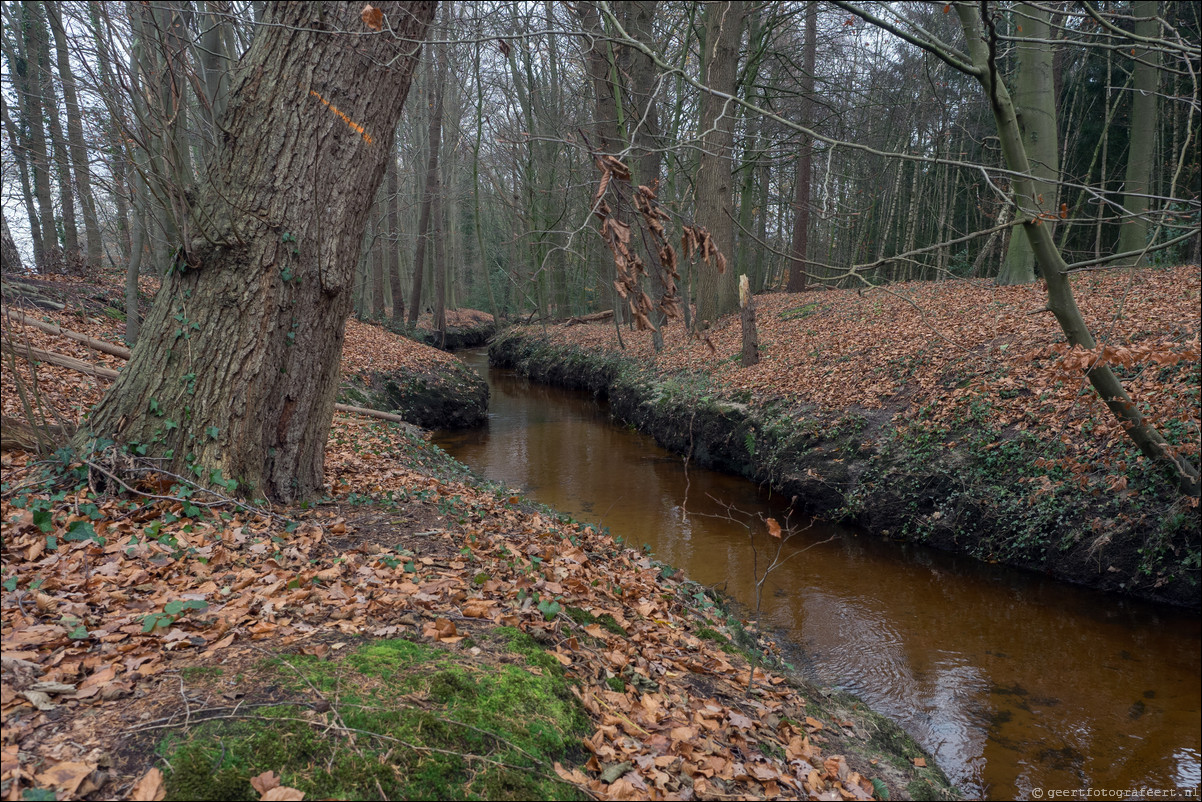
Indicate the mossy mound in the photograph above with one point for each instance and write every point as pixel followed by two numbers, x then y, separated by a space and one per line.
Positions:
pixel 408 721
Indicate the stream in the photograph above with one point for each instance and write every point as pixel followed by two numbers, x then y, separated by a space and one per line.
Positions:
pixel 1019 685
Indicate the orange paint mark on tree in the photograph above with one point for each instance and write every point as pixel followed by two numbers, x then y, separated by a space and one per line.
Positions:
pixel 359 129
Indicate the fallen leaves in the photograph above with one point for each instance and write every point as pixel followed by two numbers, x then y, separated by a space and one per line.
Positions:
pixel 944 348
pixel 372 17
pixel 93 626
pixel 150 788
pixel 269 788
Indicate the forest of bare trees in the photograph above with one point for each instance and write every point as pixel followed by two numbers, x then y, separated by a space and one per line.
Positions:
pixel 818 144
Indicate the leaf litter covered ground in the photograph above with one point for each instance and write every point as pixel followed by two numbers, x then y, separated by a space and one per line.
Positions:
pixel 937 349
pixel 134 617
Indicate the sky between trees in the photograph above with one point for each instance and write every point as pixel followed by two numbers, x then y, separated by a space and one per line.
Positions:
pixel 903 168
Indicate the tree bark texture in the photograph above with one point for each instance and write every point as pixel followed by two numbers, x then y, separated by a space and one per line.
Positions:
pixel 1035 99
pixel 1141 152
pixel 723 31
pixel 801 190
pixel 241 349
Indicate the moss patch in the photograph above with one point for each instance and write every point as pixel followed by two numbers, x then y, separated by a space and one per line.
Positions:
pixel 421 722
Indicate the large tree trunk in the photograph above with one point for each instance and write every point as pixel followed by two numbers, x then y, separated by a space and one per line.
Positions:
pixel 1133 233
pixel 241 350
pixel 1035 98
pixel 801 189
pixel 716 288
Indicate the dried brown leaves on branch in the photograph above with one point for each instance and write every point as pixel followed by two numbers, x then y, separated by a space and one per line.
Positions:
pixel 639 205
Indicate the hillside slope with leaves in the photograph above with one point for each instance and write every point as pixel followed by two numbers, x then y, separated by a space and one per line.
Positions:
pixel 950 413
pixel 160 640
pixel 424 385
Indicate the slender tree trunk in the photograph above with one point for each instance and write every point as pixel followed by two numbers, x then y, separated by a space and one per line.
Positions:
pixel 29 98
pixel 437 213
pixel 377 258
pixel 434 101
pixel 393 239
pixel 133 317
pixel 1141 151
pixel 172 36
pixel 916 193
pixel 801 191
pixel 485 265
pixel 751 336
pixel 217 57
pixel 241 349
pixel 62 159
pixel 118 153
pixel 1097 243
pixel 1035 98
pixel 716 287
pixel 76 146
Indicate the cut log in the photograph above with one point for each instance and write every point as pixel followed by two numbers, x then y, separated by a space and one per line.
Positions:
pixel 17 316
pixel 751 337
pixel 16 434
pixel 593 318
pixel 61 360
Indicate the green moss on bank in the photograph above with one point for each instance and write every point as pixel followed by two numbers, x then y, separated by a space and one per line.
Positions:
pixel 409 721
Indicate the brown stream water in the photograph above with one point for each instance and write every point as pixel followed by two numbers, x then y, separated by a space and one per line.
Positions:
pixel 1019 685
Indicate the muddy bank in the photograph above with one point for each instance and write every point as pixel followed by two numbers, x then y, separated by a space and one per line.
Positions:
pixel 964 487
pixel 458 337
pixel 451 397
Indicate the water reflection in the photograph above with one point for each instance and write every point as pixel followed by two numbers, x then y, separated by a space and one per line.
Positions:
pixel 1013 682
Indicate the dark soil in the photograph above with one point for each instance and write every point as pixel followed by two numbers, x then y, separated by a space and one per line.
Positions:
pixel 456 398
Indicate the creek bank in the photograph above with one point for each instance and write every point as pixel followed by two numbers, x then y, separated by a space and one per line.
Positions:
pixel 452 396
pixel 458 337
pixel 898 472
pixel 465 328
